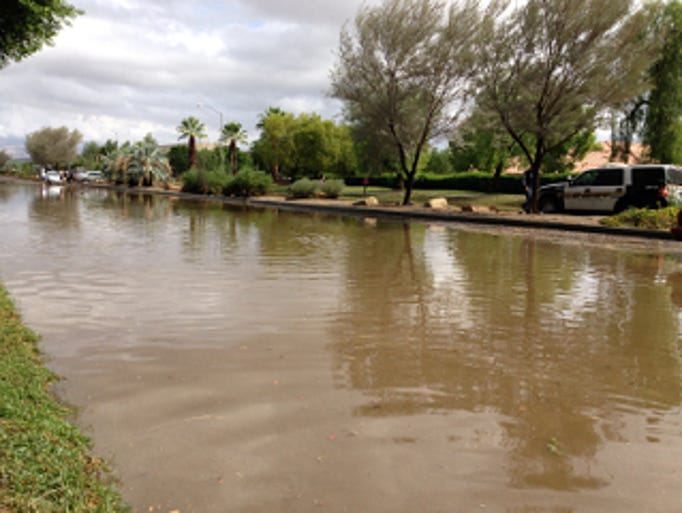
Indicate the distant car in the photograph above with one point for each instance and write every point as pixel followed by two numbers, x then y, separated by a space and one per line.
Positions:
pixel 615 188
pixel 53 178
pixel 93 176
pixel 79 175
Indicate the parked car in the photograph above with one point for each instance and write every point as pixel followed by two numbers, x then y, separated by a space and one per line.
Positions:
pixel 615 188
pixel 53 178
pixel 93 176
pixel 79 175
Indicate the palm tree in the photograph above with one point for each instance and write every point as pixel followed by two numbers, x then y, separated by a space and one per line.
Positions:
pixel 148 162
pixel 192 129
pixel 234 133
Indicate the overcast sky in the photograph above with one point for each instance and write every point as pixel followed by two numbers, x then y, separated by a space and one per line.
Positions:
pixel 129 67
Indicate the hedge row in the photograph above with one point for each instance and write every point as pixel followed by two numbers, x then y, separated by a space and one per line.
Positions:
pixel 469 181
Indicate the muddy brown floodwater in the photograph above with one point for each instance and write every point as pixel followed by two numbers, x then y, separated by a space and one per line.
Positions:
pixel 228 360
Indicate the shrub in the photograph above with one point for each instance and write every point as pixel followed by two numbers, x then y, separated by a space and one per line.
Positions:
pixel 204 182
pixel 656 219
pixel 248 182
pixel 332 188
pixel 303 188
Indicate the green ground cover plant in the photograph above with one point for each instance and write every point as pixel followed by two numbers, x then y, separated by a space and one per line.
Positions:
pixel 45 461
pixel 199 181
pixel 652 219
pixel 303 188
pixel 247 183
pixel 332 188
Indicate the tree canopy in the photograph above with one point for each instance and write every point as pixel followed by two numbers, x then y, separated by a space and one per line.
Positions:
pixel 191 129
pixel 304 145
pixel 402 69
pixel 233 133
pixel 663 120
pixel 53 146
pixel 549 69
pixel 27 25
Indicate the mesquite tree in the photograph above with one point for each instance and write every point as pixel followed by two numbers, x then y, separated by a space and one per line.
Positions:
pixel 551 67
pixel 403 71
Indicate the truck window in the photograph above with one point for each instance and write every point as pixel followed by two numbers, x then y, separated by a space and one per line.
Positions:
pixel 609 177
pixel 648 176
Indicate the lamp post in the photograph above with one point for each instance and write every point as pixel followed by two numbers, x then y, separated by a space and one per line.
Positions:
pixel 209 107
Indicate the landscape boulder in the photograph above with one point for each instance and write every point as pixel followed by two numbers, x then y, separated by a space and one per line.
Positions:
pixel 437 203
pixel 369 201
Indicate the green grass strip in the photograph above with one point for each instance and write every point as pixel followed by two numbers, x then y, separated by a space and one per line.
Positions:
pixel 45 464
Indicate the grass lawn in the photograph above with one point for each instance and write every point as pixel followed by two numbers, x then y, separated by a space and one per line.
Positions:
pixel 386 196
pixel 45 465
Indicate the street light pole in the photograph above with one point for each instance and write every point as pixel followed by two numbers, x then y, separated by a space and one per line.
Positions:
pixel 209 107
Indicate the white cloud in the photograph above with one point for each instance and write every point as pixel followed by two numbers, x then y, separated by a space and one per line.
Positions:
pixel 128 67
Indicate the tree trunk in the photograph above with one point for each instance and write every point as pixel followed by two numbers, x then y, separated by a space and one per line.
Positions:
pixel 496 177
pixel 233 156
pixel 409 183
pixel 192 152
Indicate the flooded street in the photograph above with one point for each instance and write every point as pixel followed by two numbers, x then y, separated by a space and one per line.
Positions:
pixel 246 361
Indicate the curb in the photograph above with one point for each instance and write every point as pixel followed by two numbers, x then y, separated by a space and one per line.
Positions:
pixel 395 213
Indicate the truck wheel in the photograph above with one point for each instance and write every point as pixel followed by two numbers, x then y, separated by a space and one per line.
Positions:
pixel 549 205
pixel 621 205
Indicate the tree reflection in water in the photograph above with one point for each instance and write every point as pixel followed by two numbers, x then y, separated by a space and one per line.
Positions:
pixel 562 340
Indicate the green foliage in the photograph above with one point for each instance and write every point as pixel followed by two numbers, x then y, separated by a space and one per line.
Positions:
pixel 439 162
pixel 247 183
pixel 45 465
pixel 652 219
pixel 25 26
pixel 303 188
pixel 482 144
pixel 274 147
pixel 200 181
pixel 210 159
pixel 139 163
pixel 401 68
pixel 332 188
pixel 663 122
pixel 534 74
pixel 56 146
pixel 305 145
pixel 4 159
pixel 191 129
pixel 178 158
pixel 562 158
pixel 233 133
pixel 91 155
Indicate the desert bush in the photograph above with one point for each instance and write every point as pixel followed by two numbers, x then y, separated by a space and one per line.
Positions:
pixel 204 182
pixel 653 219
pixel 303 188
pixel 248 182
pixel 332 188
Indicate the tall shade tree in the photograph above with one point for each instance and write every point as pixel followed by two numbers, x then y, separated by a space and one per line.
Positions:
pixel 551 67
pixel 4 158
pixel 191 129
pixel 53 146
pixel 663 120
pixel 403 68
pixel 27 25
pixel 275 145
pixel 233 133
